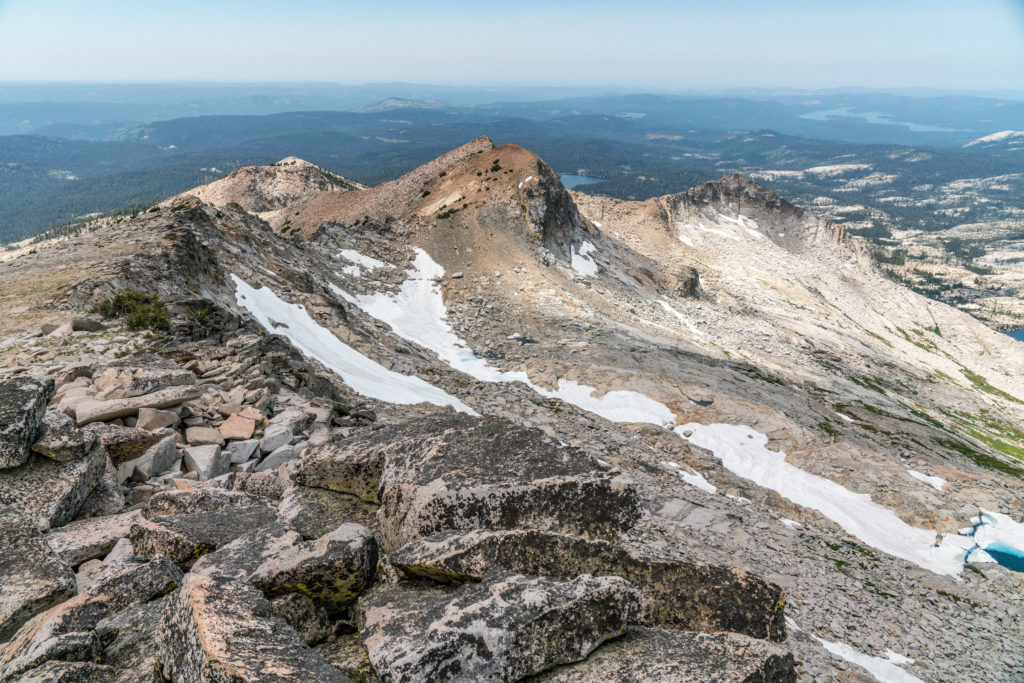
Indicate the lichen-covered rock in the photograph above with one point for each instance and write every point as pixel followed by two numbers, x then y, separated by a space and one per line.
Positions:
pixel 654 655
pixel 22 407
pixel 313 512
pixel 332 570
pixel 122 443
pixel 49 493
pixel 269 485
pixel 346 654
pixel 508 627
pixel 69 672
pixel 60 439
pixel 32 577
pixel 217 629
pixel 187 537
pixel 677 594
pixel 138 375
pixel 309 619
pixel 63 632
pixel 130 580
pixel 106 498
pixel 460 472
pixel 87 539
pixel 198 499
pixel 131 641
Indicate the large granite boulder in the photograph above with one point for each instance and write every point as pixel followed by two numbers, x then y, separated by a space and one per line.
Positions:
pixel 122 443
pixel 64 632
pixel 89 410
pixel 505 628
pixel 654 655
pixel 139 375
pixel 220 629
pixel 49 493
pixel 59 439
pixel 32 577
pixel 677 594
pixel 131 642
pixel 332 570
pixel 460 473
pixel 314 512
pixel 87 539
pixel 70 672
pixel 23 403
pixel 132 580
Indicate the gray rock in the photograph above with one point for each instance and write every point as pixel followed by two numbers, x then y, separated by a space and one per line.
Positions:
pixel 157 459
pixel 186 538
pixel 309 619
pixel 677 594
pixel 63 632
pixel 32 577
pixel 332 570
pixel 22 407
pixel 69 672
pixel 85 575
pixel 508 627
pixel 279 457
pixel 206 461
pixel 59 438
pixel 461 472
pixel 139 375
pixel 240 451
pixel 152 419
pixel 203 436
pixel 313 512
pixel 131 641
pixel 133 579
pixel 200 498
pixel 90 538
pixel 295 419
pixel 654 655
pixel 269 485
pixel 122 549
pixel 50 493
pixel 89 410
pixel 219 629
pixel 122 443
pixel 347 655
pixel 274 437
pixel 86 325
pixel 106 498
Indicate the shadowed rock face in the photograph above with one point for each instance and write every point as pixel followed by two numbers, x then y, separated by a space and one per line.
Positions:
pixel 505 628
pixel 22 406
pixel 462 472
pixel 555 218
pixel 219 629
pixel 654 655
pixel 679 595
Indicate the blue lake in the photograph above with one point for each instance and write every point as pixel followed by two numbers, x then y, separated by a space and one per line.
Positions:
pixel 572 180
pixel 874 117
pixel 1017 334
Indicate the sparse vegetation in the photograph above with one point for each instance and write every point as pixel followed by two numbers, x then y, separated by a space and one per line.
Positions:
pixel 139 309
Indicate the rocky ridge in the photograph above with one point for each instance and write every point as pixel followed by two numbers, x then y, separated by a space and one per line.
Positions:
pixel 228 456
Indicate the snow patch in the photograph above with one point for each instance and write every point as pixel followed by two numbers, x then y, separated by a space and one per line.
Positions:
pixel 996 531
pixel 581 261
pixel 365 376
pixel 357 259
pixel 931 480
pixel 691 477
pixel 690 326
pixel 742 451
pixel 884 670
pixel 845 418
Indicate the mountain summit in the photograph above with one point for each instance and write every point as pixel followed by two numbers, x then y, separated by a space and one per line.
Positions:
pixel 498 429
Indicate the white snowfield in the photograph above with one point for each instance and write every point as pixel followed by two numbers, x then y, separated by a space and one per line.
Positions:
pixel 581 261
pixel 742 451
pixel 996 531
pixel 359 372
pixel 935 482
pixel 886 670
pixel 417 313
pixel 360 261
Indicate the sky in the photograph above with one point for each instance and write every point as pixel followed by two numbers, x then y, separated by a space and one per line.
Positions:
pixel 652 44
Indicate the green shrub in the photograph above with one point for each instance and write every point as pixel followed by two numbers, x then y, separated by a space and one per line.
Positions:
pixel 140 310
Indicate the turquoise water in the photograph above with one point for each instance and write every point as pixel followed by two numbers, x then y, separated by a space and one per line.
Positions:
pixel 1006 556
pixel 1017 334
pixel 572 180
pixel 874 117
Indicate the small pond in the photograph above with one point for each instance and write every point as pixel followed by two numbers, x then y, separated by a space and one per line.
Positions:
pixel 571 180
pixel 1017 334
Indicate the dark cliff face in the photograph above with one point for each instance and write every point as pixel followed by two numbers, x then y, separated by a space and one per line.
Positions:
pixel 555 219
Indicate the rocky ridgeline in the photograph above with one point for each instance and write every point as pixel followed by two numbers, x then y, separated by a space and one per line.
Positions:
pixel 213 513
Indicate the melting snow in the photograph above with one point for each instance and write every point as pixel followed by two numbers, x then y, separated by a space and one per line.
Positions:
pixel 884 670
pixel 686 240
pixel 742 451
pixel 581 261
pixel 931 480
pixel 691 477
pixel 359 372
pixel 997 532
pixel 358 259
pixel 846 418
pixel 690 326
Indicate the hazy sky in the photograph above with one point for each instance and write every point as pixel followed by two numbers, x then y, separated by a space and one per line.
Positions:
pixel 959 44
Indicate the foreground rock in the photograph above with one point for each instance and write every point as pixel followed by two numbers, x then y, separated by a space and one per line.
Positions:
pixel 131 641
pixel 140 374
pixel 49 493
pixel 185 538
pixel 654 655
pixel 32 577
pixel 22 406
pixel 460 472
pixel 64 632
pixel 87 539
pixel 93 410
pixel 331 570
pixel 508 627
pixel 218 629
pixel 60 440
pixel 679 595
